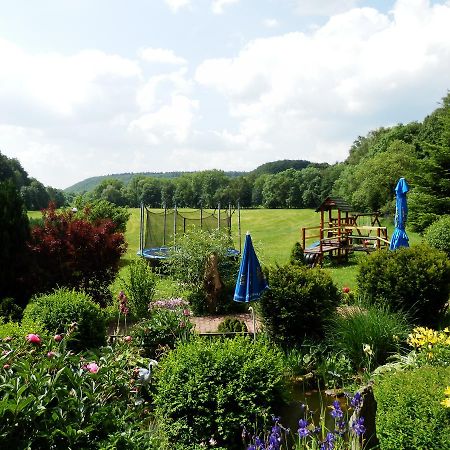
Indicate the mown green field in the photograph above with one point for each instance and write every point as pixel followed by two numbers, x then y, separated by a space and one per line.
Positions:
pixel 273 231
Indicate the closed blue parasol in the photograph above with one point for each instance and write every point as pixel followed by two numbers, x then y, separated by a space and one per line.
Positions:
pixel 399 237
pixel 251 282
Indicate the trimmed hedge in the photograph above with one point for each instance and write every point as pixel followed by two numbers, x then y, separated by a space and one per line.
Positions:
pixel 414 280
pixel 58 310
pixel 298 304
pixel 209 389
pixel 409 412
pixel 438 234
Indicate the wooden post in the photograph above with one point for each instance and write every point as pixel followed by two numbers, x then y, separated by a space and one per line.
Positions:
pixel 303 238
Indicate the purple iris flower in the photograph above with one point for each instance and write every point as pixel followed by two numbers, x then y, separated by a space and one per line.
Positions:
pixel 356 401
pixel 358 426
pixel 336 410
pixel 303 428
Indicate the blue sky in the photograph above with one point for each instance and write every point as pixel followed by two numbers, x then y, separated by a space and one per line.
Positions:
pixel 94 87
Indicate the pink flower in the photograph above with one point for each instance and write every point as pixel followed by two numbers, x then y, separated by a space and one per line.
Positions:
pixel 6 366
pixel 33 339
pixel 186 312
pixel 51 354
pixel 58 337
pixel 127 338
pixel 7 339
pixel 92 367
pixel 345 289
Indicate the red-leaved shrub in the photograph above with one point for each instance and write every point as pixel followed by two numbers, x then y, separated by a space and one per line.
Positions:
pixel 71 251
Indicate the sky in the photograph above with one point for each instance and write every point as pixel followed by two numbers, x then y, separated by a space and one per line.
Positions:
pixel 97 87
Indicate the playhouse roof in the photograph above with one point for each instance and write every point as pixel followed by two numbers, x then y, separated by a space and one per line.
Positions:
pixel 335 203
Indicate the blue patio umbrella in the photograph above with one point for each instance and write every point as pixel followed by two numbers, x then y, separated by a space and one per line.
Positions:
pixel 251 282
pixel 399 237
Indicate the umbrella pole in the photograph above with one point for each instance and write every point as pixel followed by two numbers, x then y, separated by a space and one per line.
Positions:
pixel 254 322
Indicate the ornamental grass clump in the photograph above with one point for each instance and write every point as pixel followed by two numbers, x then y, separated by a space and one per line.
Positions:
pixel 347 433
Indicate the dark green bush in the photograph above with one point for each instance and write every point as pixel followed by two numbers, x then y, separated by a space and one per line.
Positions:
pixel 10 310
pixel 367 334
pixel 298 304
pixel 58 310
pixel 97 210
pixel 209 389
pixel 232 325
pixel 297 255
pixel 438 234
pixel 414 280
pixel 409 413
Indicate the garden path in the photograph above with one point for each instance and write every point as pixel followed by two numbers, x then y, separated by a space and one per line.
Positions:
pixel 209 324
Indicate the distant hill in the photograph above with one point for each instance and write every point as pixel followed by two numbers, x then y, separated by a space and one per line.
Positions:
pixel 90 183
pixel 270 168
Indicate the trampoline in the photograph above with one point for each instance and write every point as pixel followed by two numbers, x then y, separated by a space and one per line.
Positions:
pixel 159 229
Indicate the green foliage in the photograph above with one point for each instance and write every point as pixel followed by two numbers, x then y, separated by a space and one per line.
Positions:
pixel 97 210
pixel 168 324
pixel 413 280
pixel 232 325
pixel 409 413
pixel 14 233
pixel 51 398
pixel 437 235
pixel 9 309
pixel 209 389
pixel 18 330
pixel 297 256
pixel 56 311
pixel 298 303
pixel 367 334
pixel 139 285
pixel 193 262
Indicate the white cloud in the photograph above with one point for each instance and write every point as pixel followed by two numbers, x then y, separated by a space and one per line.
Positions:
pixel 324 7
pixel 305 93
pixel 161 55
pixel 218 6
pixel 176 5
pixel 271 23
pixel 172 122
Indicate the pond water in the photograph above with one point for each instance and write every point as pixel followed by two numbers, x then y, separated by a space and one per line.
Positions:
pixel 316 401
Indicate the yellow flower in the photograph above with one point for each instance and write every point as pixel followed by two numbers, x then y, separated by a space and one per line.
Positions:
pixel 447 391
pixel 446 402
pixel 367 349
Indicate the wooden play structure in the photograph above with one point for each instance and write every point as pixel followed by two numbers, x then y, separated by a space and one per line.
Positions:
pixel 341 232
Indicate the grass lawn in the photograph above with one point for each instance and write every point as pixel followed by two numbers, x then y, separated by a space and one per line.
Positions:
pixel 273 231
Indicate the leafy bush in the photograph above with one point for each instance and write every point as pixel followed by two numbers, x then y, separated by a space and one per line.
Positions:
pixel 367 334
pixel 298 303
pixel 73 252
pixel 52 398
pixel 297 255
pixel 97 211
pixel 413 280
pixel 201 262
pixel 432 347
pixel 56 311
pixel 168 323
pixel 209 389
pixel 409 413
pixel 9 309
pixel 232 325
pixel 438 234
pixel 140 287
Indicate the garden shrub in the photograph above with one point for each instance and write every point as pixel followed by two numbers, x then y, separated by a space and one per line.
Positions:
pixel 56 311
pixel 413 280
pixel 211 388
pixel 52 398
pixel 367 334
pixel 73 252
pixel 192 264
pixel 139 286
pixel 9 309
pixel 298 304
pixel 168 323
pixel 431 347
pixel 97 211
pixel 232 325
pixel 297 255
pixel 409 412
pixel 437 235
